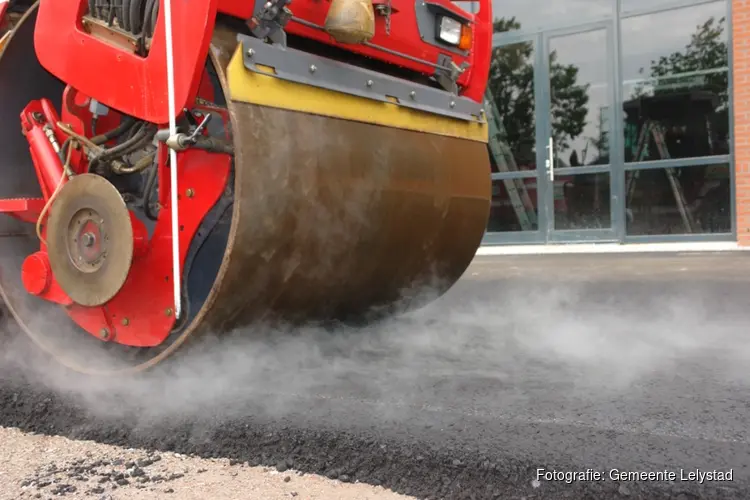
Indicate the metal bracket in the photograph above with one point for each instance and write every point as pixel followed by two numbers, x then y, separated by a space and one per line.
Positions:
pixel 181 141
pixel 271 20
pixel 447 79
pixel 385 9
pixel 310 69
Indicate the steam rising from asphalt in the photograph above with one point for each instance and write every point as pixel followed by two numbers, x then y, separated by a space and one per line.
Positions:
pixel 501 336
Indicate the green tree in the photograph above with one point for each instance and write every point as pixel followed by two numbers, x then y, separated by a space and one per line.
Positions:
pixel 707 50
pixel 511 85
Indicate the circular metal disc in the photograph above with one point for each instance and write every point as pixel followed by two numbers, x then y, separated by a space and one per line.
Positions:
pixel 90 240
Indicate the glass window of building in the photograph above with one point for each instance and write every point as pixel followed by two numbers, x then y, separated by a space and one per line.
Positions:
pixel 580 98
pixel 653 205
pixel 676 83
pixel 641 5
pixel 525 15
pixel 676 106
pixel 511 86
pixel 506 215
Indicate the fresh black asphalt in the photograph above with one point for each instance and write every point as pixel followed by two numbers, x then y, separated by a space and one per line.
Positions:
pixel 586 365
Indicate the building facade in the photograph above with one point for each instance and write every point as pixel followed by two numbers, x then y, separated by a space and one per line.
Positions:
pixel 620 121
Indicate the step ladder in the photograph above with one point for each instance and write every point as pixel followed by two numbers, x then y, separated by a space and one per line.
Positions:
pixel 653 128
pixel 503 156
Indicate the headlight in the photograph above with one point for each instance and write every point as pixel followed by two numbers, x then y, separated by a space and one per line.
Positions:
pixel 449 30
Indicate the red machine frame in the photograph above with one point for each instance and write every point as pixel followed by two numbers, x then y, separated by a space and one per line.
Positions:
pixel 60 31
pixel 404 37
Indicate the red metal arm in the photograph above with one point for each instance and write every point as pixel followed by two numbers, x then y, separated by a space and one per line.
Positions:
pixel 39 122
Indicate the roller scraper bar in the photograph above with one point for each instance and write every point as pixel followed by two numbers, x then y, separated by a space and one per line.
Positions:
pixel 309 69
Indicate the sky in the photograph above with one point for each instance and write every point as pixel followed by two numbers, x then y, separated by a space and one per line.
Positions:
pixel 644 38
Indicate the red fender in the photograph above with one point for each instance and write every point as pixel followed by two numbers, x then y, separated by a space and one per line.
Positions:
pixel 124 81
pixel 3 10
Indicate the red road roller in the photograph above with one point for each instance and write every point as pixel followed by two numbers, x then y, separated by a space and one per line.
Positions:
pixel 176 170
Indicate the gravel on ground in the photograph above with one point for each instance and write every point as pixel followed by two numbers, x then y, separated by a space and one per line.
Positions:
pixel 46 467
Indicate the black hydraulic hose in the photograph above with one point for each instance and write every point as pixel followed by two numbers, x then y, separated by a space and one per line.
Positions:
pixel 139 141
pixel 139 166
pixel 131 133
pixel 126 124
pixel 147 18
pixel 146 30
pixel 136 16
pixel 125 14
pixel 101 8
pixel 145 136
pixel 154 16
pixel 118 150
pixel 64 149
pixel 148 190
pixel 111 17
pixel 214 145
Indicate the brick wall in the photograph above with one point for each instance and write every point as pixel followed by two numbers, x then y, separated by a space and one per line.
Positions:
pixel 741 74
